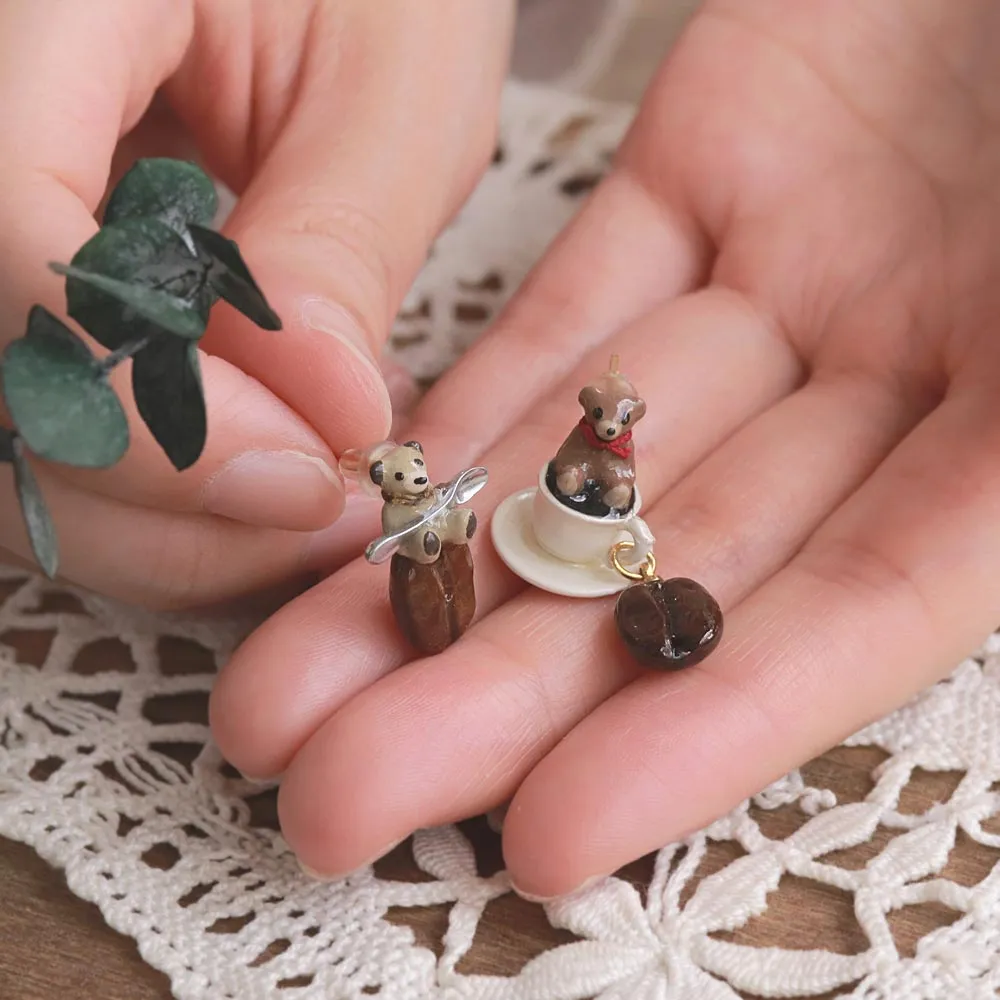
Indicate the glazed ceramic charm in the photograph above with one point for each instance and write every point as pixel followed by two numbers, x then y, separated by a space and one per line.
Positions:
pixel 666 624
pixel 578 533
pixel 558 534
pixel 594 470
pixel 426 534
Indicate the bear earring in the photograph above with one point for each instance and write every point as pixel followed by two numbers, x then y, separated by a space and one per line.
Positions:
pixel 578 533
pixel 426 534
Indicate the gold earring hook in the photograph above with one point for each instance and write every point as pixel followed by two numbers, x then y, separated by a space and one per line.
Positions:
pixel 647 570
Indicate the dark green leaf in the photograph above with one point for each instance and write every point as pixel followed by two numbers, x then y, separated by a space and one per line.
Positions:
pixel 7 445
pixel 173 191
pixel 166 380
pixel 59 398
pixel 231 278
pixel 165 310
pixel 143 252
pixel 41 531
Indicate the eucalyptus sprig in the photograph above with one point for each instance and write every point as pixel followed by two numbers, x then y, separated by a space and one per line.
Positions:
pixel 143 288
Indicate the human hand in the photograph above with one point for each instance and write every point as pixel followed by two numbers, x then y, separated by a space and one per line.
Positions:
pixel 351 131
pixel 797 257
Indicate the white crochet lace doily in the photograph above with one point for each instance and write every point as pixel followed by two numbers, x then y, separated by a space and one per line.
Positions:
pixel 552 151
pixel 106 771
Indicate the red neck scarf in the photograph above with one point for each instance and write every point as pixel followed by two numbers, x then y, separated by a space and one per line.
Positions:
pixel 620 446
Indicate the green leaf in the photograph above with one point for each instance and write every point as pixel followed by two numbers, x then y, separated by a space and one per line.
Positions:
pixel 165 310
pixel 7 445
pixel 59 398
pixel 143 252
pixel 166 380
pixel 231 278
pixel 41 531
pixel 174 191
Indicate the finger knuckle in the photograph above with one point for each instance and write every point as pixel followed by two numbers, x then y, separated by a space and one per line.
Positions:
pixel 345 231
pixel 863 571
pixel 711 533
pixel 182 567
pixel 699 517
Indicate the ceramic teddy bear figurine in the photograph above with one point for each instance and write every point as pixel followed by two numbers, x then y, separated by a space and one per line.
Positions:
pixel 407 494
pixel 596 462
pixel 579 533
pixel 426 533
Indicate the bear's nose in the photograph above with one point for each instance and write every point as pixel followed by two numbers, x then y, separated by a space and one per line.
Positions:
pixel 610 432
pixel 420 481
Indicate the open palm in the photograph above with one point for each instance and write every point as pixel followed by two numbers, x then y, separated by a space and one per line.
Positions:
pixel 797 258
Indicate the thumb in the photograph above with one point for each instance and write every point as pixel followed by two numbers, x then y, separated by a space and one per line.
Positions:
pixel 379 149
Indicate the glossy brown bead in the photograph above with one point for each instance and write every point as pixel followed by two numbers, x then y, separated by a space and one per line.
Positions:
pixel 669 624
pixel 433 603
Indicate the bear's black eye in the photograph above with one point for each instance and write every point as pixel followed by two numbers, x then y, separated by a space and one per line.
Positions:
pixel 627 417
pixel 400 476
pixel 418 461
pixel 598 413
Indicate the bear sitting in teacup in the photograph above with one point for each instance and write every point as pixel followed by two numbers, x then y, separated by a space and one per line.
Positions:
pixel 407 493
pixel 594 470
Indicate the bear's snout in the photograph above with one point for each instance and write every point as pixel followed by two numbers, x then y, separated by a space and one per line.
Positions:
pixel 607 429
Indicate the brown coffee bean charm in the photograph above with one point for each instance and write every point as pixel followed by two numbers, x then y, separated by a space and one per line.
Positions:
pixel 669 624
pixel 434 603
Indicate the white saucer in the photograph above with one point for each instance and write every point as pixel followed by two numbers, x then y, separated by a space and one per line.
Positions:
pixel 514 540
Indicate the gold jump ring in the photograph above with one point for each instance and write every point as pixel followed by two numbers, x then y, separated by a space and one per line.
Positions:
pixel 647 570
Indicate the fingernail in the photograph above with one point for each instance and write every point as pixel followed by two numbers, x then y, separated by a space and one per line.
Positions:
pixel 262 782
pixel 325 317
pixel 337 876
pixel 403 392
pixel 315 875
pixel 582 887
pixel 285 489
pixel 495 818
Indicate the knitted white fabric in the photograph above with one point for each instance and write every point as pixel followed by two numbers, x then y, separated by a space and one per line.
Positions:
pixel 150 825
pixel 553 149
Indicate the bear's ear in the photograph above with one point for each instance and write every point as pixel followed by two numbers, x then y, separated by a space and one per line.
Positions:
pixel 639 409
pixel 590 397
pixel 416 445
pixel 377 472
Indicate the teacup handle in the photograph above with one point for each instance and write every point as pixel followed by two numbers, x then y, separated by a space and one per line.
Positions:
pixel 643 541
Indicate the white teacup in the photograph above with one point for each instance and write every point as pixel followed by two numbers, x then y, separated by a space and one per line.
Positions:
pixel 581 539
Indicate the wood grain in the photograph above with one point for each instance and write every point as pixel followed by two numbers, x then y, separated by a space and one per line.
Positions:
pixel 55 946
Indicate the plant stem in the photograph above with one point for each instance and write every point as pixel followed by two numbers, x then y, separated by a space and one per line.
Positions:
pixel 7 439
pixel 129 349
